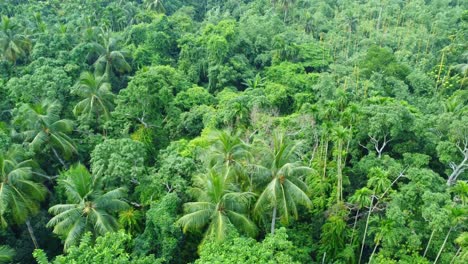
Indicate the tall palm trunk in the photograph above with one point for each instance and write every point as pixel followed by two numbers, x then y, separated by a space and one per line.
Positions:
pixel 365 230
pixel 354 226
pixel 59 159
pixel 456 255
pixel 339 188
pixel 429 243
pixel 273 220
pixel 31 234
pixel 443 245
pixel 373 251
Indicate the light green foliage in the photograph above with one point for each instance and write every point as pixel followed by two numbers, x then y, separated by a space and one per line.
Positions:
pixel 344 122
pixel 149 95
pixel 292 75
pixel 194 96
pixel 110 59
pixel 110 248
pixel 44 80
pixel 118 162
pixel 274 249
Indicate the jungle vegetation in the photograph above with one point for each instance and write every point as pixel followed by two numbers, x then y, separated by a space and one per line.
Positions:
pixel 235 131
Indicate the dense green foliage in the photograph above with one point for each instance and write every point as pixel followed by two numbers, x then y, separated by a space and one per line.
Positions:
pixel 248 131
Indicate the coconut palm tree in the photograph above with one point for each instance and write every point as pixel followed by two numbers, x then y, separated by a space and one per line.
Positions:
pixel 89 208
pixel 281 177
pixel 218 207
pixel 41 126
pixel 230 153
pixel 20 195
pixel 110 58
pixel 285 5
pixel 12 44
pixel 97 97
pixel 156 5
pixel 6 254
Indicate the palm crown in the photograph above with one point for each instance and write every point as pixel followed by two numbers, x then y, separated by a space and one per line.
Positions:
pixel 284 188
pixel 218 206
pixel 88 208
pixel 19 194
pixel 12 44
pixel 110 58
pixel 41 125
pixel 97 97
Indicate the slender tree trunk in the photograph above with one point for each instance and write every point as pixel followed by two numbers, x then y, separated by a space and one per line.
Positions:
pixel 339 191
pixel 365 230
pixel 325 160
pixel 429 243
pixel 373 251
pixel 440 69
pixel 31 234
pixel 324 256
pixel 443 245
pixel 456 255
pixel 59 159
pixel 273 220
pixel 354 226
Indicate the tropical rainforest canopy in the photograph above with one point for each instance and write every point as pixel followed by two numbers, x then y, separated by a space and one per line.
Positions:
pixel 233 131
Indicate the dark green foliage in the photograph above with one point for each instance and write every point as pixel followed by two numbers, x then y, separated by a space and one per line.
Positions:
pixel 274 249
pixel 161 236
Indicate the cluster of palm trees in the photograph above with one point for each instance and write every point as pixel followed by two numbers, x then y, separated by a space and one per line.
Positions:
pixel 42 130
pixel 239 186
pixel 94 89
pixel 13 44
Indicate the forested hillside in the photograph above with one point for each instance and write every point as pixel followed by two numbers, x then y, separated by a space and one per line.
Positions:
pixel 234 131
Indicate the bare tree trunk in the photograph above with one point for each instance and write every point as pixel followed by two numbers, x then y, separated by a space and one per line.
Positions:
pixel 458 169
pixel 354 226
pixel 59 159
pixel 440 69
pixel 325 160
pixel 379 19
pixel 324 256
pixel 456 255
pixel 365 230
pixel 373 251
pixel 429 243
pixel 31 234
pixel 443 245
pixel 339 191
pixel 273 220
pixel 377 146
